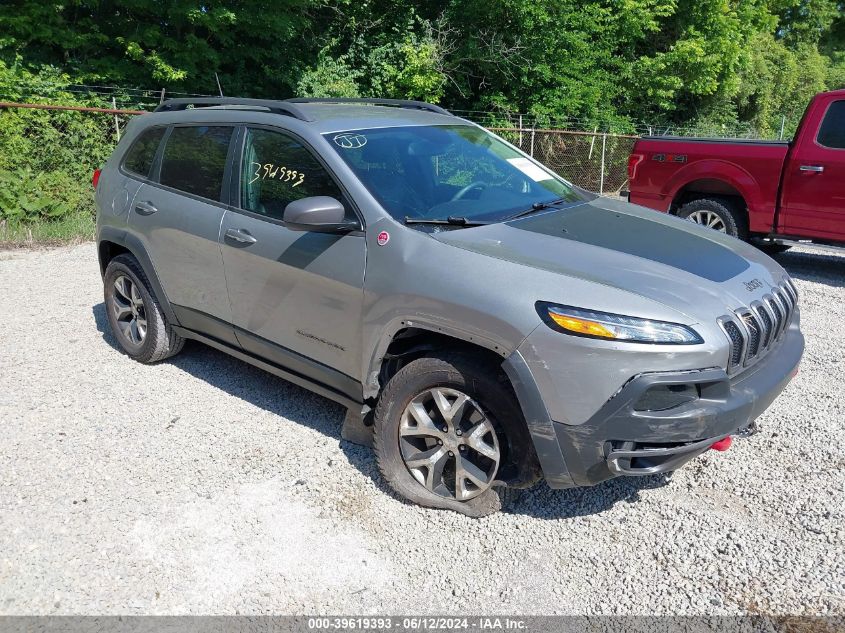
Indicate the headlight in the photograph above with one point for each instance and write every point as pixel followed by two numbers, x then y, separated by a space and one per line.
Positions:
pixel 615 327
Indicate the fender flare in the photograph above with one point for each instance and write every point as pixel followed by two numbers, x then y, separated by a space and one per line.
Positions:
pixel 540 425
pixel 136 248
pixel 389 331
pixel 715 169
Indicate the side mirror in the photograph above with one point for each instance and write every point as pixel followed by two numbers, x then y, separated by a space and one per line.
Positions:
pixel 318 213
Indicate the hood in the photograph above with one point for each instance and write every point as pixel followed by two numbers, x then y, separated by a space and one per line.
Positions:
pixel 680 264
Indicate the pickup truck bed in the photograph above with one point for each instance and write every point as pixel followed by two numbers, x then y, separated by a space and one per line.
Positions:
pixel 679 169
pixel 760 190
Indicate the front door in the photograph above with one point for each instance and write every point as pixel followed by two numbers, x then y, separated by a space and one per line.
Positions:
pixel 296 296
pixel 178 217
pixel 814 182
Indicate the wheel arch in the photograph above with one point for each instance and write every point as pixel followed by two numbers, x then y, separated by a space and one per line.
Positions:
pixel 409 340
pixel 412 341
pixel 113 242
pixel 713 177
pixel 708 188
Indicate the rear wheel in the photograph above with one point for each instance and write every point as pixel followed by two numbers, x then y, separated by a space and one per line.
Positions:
pixel 716 213
pixel 134 314
pixel 440 438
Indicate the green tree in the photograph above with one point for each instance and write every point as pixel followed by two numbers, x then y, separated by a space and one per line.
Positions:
pixel 255 47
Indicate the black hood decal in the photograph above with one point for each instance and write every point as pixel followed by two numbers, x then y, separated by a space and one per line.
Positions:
pixel 640 237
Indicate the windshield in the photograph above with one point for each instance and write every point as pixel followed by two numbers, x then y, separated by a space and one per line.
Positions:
pixel 437 172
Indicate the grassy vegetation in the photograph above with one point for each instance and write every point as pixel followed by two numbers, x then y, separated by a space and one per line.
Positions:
pixel 69 229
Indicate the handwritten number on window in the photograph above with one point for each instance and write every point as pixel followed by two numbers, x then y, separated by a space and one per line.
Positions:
pixel 277 172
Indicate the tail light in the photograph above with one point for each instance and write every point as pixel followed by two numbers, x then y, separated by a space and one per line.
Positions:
pixel 95 179
pixel 633 162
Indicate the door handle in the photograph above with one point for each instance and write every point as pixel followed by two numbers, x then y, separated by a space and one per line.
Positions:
pixel 241 236
pixel 813 169
pixel 145 208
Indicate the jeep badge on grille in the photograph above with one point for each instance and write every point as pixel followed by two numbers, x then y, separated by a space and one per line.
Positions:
pixel 753 285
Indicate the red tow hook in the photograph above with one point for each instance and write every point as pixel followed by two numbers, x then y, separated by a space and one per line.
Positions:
pixel 722 445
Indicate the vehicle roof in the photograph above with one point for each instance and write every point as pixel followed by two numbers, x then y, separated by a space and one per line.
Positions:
pixel 336 117
pixel 323 117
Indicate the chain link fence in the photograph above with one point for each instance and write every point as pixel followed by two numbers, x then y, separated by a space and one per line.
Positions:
pixel 596 162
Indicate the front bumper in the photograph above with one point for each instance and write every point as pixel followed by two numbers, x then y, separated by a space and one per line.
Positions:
pixel 620 440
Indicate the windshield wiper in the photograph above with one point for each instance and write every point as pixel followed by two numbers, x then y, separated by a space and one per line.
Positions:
pixel 537 206
pixel 451 220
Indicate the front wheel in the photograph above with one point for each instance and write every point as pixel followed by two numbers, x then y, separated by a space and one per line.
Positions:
pixel 440 438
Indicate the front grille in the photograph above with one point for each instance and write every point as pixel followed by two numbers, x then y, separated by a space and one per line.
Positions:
pixel 765 321
pixel 752 326
pixel 756 330
pixel 737 342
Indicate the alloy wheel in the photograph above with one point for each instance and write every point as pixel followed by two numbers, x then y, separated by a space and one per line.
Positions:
pixel 709 219
pixel 129 310
pixel 448 444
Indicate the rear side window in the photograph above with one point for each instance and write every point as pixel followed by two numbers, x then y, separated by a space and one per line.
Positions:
pixel 277 170
pixel 139 158
pixel 832 130
pixel 195 158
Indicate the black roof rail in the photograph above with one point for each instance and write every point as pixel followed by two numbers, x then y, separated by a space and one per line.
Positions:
pixel 276 107
pixel 400 103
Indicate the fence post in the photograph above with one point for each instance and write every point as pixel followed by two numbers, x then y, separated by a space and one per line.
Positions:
pixel 162 97
pixel 592 143
pixel 782 125
pixel 116 122
pixel 601 178
pixel 531 153
pixel 520 131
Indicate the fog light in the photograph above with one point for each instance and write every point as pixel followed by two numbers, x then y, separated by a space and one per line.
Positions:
pixel 662 397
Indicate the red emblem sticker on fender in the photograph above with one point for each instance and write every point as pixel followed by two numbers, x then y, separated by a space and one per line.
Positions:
pixel 383 238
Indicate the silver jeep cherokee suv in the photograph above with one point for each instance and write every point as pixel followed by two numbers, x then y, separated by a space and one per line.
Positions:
pixel 485 322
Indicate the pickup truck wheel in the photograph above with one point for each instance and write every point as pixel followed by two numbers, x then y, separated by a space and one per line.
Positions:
pixel 437 436
pixel 718 214
pixel 134 314
pixel 773 249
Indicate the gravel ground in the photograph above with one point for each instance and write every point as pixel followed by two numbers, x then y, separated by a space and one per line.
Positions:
pixel 203 485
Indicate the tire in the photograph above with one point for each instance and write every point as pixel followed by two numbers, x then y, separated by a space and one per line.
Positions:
pixel 773 249
pixel 134 313
pixel 490 408
pixel 704 211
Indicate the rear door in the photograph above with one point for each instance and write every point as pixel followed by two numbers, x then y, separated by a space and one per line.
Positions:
pixel 118 188
pixel 814 181
pixel 177 215
pixel 296 295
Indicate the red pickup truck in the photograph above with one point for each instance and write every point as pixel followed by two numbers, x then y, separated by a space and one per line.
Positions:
pixel 774 193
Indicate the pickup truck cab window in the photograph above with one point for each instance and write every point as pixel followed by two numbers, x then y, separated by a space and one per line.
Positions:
pixel 832 129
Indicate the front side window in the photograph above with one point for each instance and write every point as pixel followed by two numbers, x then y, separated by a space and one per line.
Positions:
pixel 276 170
pixel 832 130
pixel 194 160
pixel 139 158
pixel 434 172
